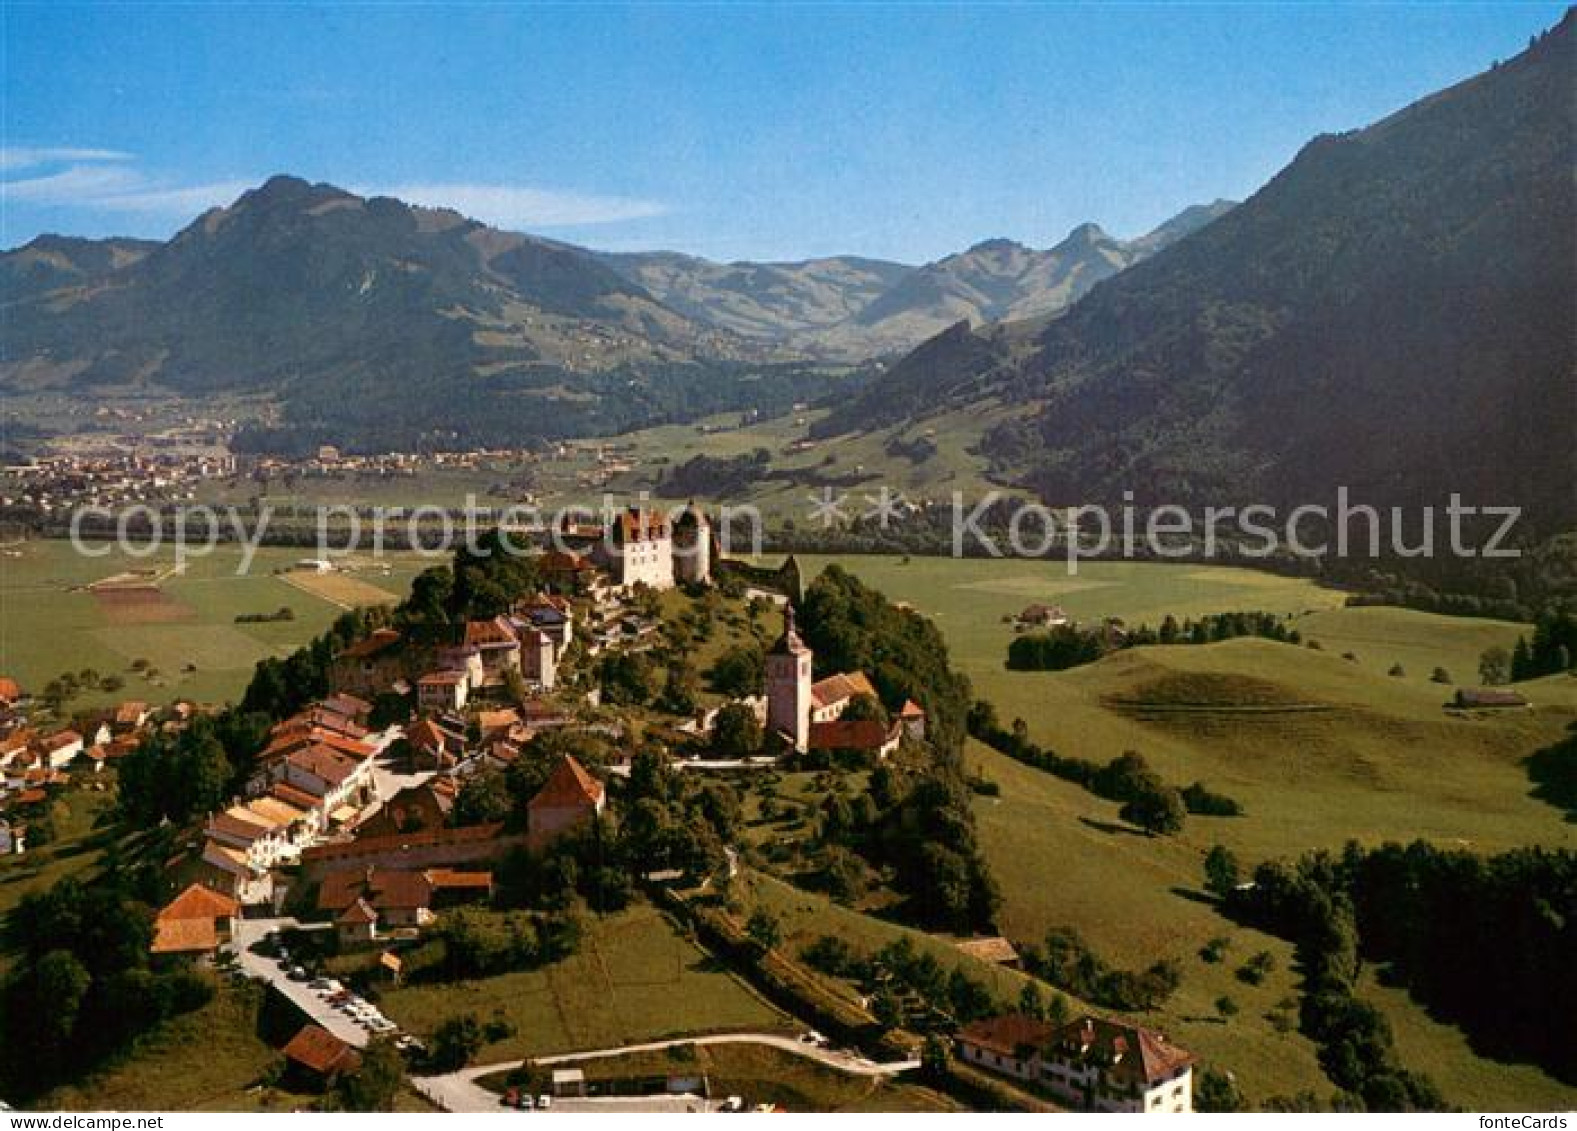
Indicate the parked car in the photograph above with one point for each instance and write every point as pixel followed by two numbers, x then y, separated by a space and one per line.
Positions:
pixel 511 1097
pixel 525 1101
pixel 544 1102
pixel 297 974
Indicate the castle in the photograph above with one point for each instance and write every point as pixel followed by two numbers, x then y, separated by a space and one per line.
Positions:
pixel 650 548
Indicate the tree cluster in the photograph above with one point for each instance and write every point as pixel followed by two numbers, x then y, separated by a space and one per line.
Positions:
pixel 81 988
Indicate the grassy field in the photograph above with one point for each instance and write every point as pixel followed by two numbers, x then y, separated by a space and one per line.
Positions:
pixel 635 978
pixel 209 1060
pixel 80 840
pixel 51 623
pixel 1318 749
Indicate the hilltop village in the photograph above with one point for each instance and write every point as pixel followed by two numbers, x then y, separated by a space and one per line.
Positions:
pixel 449 788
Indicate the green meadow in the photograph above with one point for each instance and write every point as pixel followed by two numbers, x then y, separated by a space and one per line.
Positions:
pixel 51 623
pixel 1318 748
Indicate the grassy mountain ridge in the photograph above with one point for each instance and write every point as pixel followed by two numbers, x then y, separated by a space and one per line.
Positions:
pixel 343 307
pixel 1392 312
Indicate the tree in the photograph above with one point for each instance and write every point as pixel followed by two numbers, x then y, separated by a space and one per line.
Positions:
pixel 865 708
pixel 485 797
pixel 58 986
pixel 1221 871
pixel 681 688
pixel 738 672
pixel 1157 810
pixel 1494 666
pixel 373 1086
pixel 764 929
pixel 1440 675
pixel 736 733
pixel 1217 1091
pixel 455 1042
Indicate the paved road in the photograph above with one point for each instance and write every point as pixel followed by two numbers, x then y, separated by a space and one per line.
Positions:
pixel 250 931
pixel 459 1091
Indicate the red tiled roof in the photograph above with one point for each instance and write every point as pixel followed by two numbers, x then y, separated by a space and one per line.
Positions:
pixel 183 936
pixel 383 888
pixel 378 641
pixel 376 845
pixel 635 525
pixel 836 688
pixel 490 633
pixel 290 795
pixel 1142 1056
pixel 316 1048
pixel 849 734
pixel 465 881
pixel 562 561
pixel 357 912
pixel 427 735
pixel 911 710
pixel 9 690
pixel 568 786
pixel 325 762
pixel 198 902
pixel 1009 1034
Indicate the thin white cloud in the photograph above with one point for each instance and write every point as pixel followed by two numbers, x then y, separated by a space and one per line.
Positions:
pixel 29 157
pixel 119 188
pixel 513 206
pixel 111 181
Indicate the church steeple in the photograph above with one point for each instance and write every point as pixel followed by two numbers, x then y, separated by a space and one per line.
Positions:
pixel 788 686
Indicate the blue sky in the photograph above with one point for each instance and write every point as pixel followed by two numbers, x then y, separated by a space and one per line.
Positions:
pixel 740 131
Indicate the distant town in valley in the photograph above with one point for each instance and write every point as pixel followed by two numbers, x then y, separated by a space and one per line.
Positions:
pixel 448 669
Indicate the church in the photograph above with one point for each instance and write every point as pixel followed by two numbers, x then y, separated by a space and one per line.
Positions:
pixel 806 715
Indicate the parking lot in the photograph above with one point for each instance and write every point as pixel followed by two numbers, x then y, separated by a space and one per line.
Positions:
pixel 342 1012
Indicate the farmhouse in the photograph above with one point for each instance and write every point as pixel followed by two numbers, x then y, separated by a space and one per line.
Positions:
pixel 1091 1064
pixel 196 922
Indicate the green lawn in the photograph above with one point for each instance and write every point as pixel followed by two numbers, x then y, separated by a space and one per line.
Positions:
pixel 210 1060
pixel 80 840
pixel 1346 751
pixel 635 978
pixel 49 625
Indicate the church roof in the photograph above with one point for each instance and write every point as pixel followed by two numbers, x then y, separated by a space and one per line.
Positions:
pixel 789 644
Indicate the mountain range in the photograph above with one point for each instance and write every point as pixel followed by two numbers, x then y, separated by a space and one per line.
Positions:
pixel 850 308
pixel 1393 313
pixel 343 307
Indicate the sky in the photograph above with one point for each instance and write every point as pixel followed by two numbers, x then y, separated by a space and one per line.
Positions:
pixel 739 131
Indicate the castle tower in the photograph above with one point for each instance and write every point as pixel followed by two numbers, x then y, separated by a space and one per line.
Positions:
pixel 692 543
pixel 788 686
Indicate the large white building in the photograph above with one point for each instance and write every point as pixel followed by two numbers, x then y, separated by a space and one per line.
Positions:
pixel 649 548
pixel 1090 1064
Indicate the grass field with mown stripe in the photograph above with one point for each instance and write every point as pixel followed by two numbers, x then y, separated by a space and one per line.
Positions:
pixel 634 979
pixel 51 624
